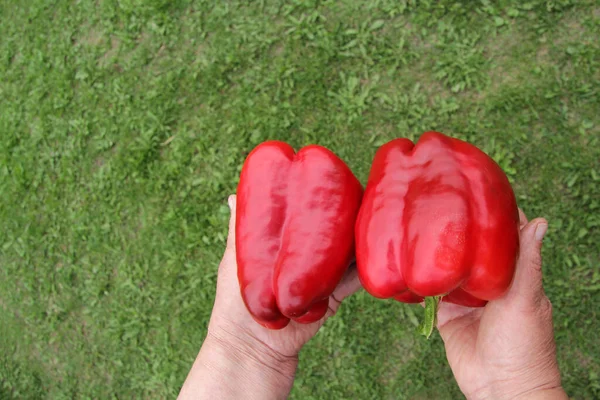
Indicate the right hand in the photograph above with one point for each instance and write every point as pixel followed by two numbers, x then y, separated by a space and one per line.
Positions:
pixel 506 350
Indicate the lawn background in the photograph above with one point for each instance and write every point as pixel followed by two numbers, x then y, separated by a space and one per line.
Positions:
pixel 124 124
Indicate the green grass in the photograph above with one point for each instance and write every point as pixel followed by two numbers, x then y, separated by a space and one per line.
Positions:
pixel 124 124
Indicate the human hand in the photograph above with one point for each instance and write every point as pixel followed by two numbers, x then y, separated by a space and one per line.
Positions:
pixel 506 350
pixel 239 356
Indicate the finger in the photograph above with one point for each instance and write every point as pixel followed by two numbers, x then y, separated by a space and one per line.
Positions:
pixel 349 284
pixel 527 284
pixel 228 260
pixel 449 311
pixel 227 282
pixel 522 219
pixel 456 323
pixel 232 201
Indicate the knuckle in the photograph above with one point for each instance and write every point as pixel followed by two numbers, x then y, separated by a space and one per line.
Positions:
pixel 536 262
pixel 331 310
pixel 334 301
pixel 546 305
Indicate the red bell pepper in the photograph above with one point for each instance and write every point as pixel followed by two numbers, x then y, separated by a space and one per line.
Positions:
pixel 294 231
pixel 438 219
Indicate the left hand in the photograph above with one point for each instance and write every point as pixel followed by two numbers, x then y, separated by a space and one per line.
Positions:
pixel 233 330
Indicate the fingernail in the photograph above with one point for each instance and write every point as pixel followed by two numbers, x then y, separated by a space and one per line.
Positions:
pixel 540 231
pixel 230 201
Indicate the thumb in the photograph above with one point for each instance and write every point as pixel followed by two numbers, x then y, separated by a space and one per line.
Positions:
pixel 228 259
pixel 527 284
pixel 232 201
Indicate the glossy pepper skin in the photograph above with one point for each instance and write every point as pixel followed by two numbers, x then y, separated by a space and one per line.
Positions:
pixel 294 231
pixel 438 218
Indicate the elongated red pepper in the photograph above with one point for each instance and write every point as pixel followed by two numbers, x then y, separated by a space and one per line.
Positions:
pixel 438 218
pixel 294 231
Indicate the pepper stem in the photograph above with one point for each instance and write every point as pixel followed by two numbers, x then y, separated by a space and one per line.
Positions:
pixel 429 321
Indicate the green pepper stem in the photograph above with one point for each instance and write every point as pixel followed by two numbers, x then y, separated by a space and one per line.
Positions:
pixel 429 321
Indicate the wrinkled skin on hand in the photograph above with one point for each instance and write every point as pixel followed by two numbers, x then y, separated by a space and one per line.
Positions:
pixel 506 350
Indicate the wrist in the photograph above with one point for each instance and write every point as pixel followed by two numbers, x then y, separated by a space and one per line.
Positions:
pixel 252 353
pixel 232 366
pixel 548 393
pixel 248 371
pixel 557 393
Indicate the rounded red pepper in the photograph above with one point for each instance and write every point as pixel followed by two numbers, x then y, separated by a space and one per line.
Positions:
pixel 438 218
pixel 294 231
